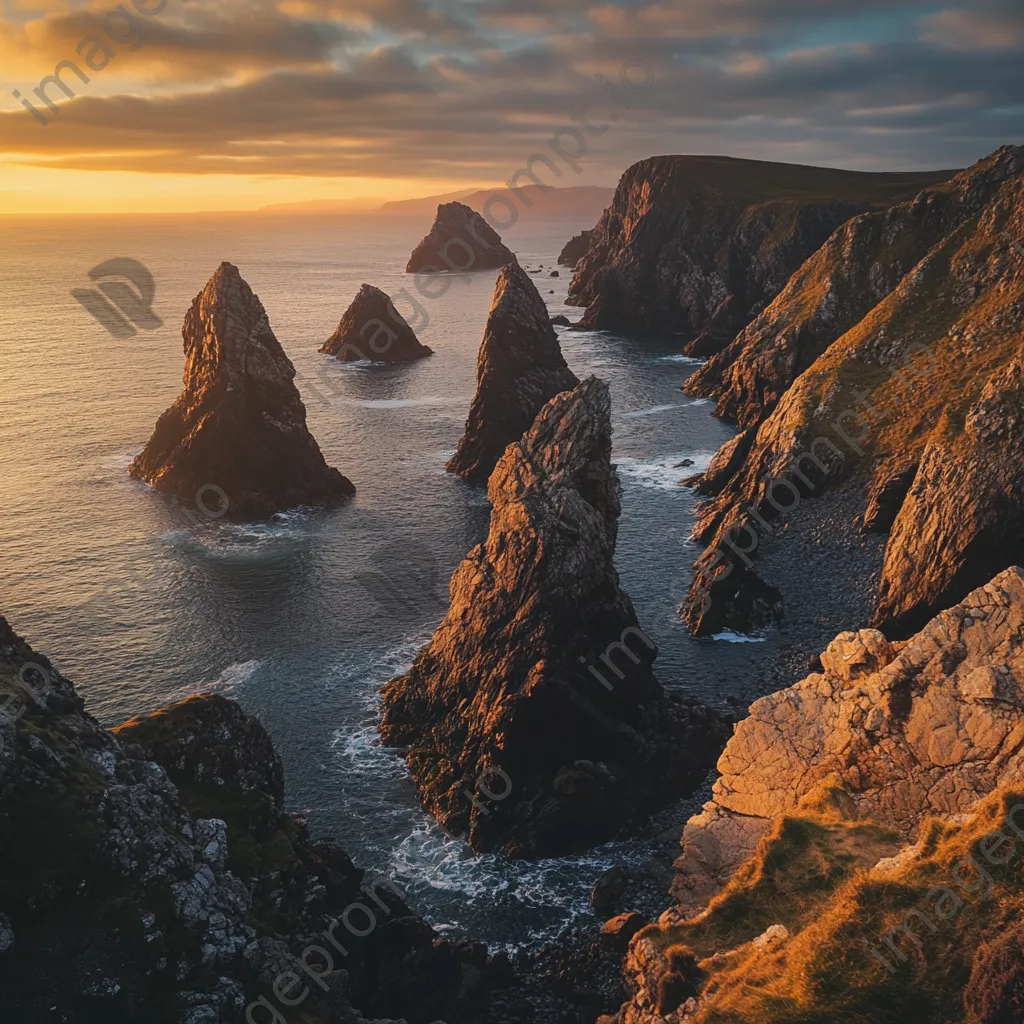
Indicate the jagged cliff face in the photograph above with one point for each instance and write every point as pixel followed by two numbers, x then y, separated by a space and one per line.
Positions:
pixel 460 239
pixel 575 249
pixel 150 874
pixel 509 735
pixel 862 263
pixel 373 329
pixel 519 368
pixel 882 794
pixel 701 245
pixel 239 427
pixel 926 727
pixel 916 398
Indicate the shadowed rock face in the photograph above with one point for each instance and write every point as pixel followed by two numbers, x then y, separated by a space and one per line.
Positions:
pixel 519 368
pixel 459 240
pixel 913 408
pixel 511 738
pixel 930 726
pixel 701 245
pixel 575 249
pixel 239 425
pixel 150 873
pixel 373 329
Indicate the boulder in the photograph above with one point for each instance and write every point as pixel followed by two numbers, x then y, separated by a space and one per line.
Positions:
pixel 459 240
pixel 372 329
pixel 512 735
pixel 235 442
pixel 519 368
pixel 926 727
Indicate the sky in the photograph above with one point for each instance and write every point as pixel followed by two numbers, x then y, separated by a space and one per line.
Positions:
pixel 237 104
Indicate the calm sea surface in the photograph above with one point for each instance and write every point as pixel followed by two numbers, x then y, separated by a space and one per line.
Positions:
pixel 304 618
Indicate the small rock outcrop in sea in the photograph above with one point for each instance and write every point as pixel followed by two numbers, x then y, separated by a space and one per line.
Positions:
pixel 459 240
pixel 239 426
pixel 373 329
pixel 701 245
pixel 929 726
pixel 533 721
pixel 519 368
pixel 575 249
pixel 905 418
pixel 151 873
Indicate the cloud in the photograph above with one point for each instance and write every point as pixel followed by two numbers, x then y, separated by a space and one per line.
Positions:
pixel 407 88
pixel 988 25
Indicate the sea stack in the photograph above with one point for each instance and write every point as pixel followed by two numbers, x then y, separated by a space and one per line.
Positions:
pixel 459 240
pixel 373 329
pixel 575 249
pixel 238 429
pixel 533 721
pixel 519 368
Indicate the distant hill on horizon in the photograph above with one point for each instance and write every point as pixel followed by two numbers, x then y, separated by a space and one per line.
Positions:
pixel 576 201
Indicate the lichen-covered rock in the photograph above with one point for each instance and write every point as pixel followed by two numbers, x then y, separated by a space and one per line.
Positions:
pixel 532 720
pixel 927 727
pixel 149 874
pixel 235 441
pixel 460 239
pixel 373 329
pixel 701 245
pixel 519 368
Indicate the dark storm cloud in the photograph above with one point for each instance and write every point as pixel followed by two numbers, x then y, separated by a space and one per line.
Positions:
pixel 409 89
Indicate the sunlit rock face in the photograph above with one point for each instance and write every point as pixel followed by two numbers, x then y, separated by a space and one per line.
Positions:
pixel 236 436
pixel 372 329
pixel 519 368
pixel 532 722
pixel 459 240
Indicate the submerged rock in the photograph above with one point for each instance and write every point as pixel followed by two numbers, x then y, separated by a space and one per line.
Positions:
pixel 373 329
pixel 575 249
pixel 519 368
pixel 512 734
pixel 459 240
pixel 894 732
pixel 236 439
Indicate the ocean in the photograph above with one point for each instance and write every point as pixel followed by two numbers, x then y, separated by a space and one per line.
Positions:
pixel 302 619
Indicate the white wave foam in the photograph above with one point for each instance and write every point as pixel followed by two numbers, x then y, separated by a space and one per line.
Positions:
pixel 653 411
pixel 680 358
pixel 231 679
pixel 729 637
pixel 665 473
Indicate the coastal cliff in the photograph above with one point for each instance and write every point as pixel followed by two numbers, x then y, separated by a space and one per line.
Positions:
pixel 575 249
pixel 701 245
pixel 858 817
pixel 151 873
pixel 373 329
pixel 236 439
pixel 907 419
pixel 519 368
pixel 532 722
pixel 459 239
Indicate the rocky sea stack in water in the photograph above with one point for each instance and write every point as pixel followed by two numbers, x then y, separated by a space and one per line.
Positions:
pixel 575 249
pixel 373 329
pixel 151 873
pixel 239 426
pixel 700 245
pixel 533 720
pixel 459 240
pixel 519 368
